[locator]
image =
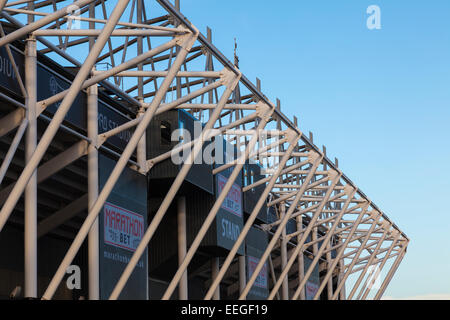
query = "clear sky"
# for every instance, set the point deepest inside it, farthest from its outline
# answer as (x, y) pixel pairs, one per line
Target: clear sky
(378, 99)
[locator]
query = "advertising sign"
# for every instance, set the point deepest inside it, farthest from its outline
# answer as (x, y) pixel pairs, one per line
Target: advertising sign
(256, 243)
(261, 280)
(122, 224)
(50, 83)
(233, 201)
(311, 289)
(229, 217)
(122, 228)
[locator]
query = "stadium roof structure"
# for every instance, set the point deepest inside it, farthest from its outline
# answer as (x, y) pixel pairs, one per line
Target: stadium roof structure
(149, 58)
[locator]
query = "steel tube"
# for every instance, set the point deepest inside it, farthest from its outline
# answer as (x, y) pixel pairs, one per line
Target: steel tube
(369, 282)
(242, 273)
(213, 212)
(292, 140)
(42, 22)
(391, 273)
(324, 245)
(30, 232)
(261, 97)
(12, 149)
(301, 257)
(173, 189)
(93, 186)
(361, 276)
(96, 32)
(109, 73)
(182, 247)
(308, 229)
(60, 113)
(336, 260)
(121, 163)
(284, 257)
(214, 272)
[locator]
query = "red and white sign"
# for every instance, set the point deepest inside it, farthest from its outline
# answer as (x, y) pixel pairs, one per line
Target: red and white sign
(122, 228)
(233, 201)
(261, 280)
(311, 290)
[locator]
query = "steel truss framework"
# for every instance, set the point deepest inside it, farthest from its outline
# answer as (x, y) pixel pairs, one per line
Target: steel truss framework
(160, 63)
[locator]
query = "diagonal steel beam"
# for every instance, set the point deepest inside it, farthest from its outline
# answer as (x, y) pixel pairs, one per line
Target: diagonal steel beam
(187, 42)
(22, 32)
(265, 117)
(372, 256)
(325, 243)
(335, 176)
(369, 282)
(293, 139)
(341, 253)
(391, 272)
(230, 81)
(315, 160)
(60, 113)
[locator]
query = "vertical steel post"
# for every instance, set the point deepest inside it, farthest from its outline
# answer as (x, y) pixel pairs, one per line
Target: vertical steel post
(293, 139)
(391, 273)
(284, 258)
(93, 186)
(335, 176)
(30, 232)
(332, 264)
(301, 257)
(230, 83)
(220, 199)
(141, 151)
(215, 267)
(64, 107)
(372, 256)
(182, 244)
(242, 273)
(378, 270)
(347, 273)
(329, 283)
(93, 182)
(325, 242)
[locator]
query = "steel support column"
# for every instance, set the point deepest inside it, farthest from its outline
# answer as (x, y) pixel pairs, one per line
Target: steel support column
(93, 186)
(335, 176)
(59, 115)
(292, 139)
(31, 187)
(391, 273)
(182, 245)
(230, 83)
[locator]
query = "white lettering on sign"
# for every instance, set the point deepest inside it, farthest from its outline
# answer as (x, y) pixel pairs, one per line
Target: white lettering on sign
(232, 202)
(123, 228)
(105, 124)
(311, 290)
(6, 67)
(230, 230)
(261, 280)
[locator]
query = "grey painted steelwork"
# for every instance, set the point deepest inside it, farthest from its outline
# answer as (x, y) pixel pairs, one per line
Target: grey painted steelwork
(78, 100)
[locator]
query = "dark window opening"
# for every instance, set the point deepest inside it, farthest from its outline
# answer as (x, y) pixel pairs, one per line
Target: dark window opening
(166, 133)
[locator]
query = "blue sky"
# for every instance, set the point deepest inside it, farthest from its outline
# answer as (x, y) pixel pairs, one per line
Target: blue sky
(378, 99)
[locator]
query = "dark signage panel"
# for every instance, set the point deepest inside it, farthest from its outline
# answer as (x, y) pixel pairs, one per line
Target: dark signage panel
(229, 218)
(50, 83)
(256, 244)
(122, 223)
(8, 79)
(312, 285)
